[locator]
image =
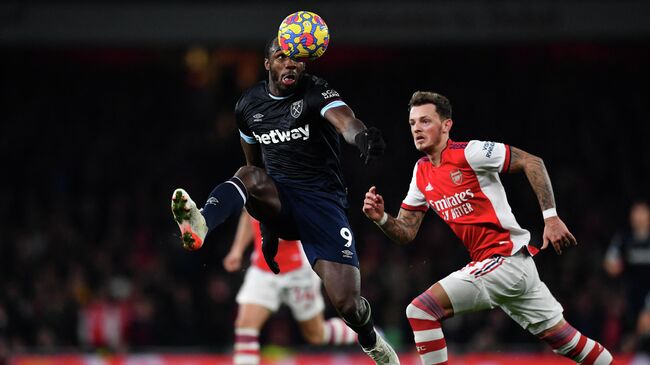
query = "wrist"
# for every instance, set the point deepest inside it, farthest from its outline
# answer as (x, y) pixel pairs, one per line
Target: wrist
(382, 220)
(549, 213)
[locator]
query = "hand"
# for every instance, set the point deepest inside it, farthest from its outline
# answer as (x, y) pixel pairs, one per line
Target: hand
(556, 232)
(373, 205)
(370, 143)
(232, 261)
(270, 243)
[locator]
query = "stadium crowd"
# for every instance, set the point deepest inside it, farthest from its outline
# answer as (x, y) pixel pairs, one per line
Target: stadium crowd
(95, 141)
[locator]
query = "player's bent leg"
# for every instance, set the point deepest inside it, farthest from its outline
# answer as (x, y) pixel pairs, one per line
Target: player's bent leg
(263, 198)
(249, 322)
(569, 342)
(190, 220)
(343, 285)
(424, 314)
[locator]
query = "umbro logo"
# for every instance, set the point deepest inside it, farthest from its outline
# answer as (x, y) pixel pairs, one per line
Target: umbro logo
(347, 254)
(212, 200)
(429, 187)
(258, 117)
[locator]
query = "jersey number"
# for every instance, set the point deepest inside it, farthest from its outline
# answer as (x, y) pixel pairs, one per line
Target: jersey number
(347, 235)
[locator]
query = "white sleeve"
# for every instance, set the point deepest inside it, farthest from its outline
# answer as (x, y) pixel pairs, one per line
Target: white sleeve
(415, 200)
(488, 156)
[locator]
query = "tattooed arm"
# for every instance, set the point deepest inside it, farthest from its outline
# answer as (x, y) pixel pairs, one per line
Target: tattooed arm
(555, 231)
(401, 229)
(536, 173)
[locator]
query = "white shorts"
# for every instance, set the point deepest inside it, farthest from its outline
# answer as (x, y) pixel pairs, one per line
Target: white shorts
(300, 290)
(511, 283)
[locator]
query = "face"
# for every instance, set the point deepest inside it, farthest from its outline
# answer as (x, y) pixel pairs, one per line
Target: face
(284, 73)
(428, 128)
(640, 217)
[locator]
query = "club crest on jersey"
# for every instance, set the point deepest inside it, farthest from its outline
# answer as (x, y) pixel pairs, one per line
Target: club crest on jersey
(456, 177)
(296, 109)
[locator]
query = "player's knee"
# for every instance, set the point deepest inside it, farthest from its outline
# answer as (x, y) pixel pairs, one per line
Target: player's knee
(415, 311)
(254, 178)
(347, 306)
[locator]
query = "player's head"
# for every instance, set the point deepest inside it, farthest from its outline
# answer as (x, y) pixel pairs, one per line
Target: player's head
(284, 73)
(430, 120)
(640, 217)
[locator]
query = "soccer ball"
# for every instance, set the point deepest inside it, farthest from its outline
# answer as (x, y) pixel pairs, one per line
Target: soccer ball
(303, 36)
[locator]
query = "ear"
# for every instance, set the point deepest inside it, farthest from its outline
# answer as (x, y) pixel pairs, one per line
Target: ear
(446, 125)
(267, 64)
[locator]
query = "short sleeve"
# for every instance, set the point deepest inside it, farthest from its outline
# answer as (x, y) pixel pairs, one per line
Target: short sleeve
(488, 156)
(321, 97)
(244, 131)
(415, 200)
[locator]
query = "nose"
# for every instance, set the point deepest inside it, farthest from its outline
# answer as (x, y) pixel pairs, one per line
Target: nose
(290, 64)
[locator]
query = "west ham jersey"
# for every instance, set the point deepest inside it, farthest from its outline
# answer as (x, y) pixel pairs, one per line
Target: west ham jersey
(300, 147)
(466, 192)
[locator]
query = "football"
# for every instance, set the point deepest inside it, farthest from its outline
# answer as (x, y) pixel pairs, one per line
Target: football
(303, 36)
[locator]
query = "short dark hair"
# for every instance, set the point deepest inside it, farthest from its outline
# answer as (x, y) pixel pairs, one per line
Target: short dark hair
(443, 106)
(268, 50)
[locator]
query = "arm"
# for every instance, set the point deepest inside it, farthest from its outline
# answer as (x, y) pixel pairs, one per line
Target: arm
(369, 141)
(253, 154)
(555, 231)
(402, 229)
(243, 238)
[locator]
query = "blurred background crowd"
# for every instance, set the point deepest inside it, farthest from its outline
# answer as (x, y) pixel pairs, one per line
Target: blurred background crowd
(95, 139)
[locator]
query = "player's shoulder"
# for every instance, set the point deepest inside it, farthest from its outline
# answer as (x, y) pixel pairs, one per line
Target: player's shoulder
(257, 91)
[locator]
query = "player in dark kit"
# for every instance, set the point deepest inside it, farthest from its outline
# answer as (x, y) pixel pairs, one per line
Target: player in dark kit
(290, 127)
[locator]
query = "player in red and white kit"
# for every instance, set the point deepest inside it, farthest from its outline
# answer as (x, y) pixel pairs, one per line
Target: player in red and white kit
(460, 182)
(263, 292)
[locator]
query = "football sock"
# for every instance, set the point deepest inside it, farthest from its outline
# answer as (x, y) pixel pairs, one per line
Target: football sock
(336, 332)
(568, 342)
(363, 325)
(226, 199)
(424, 315)
(247, 347)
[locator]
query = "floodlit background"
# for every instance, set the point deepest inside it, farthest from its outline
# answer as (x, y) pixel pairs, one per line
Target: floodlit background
(106, 107)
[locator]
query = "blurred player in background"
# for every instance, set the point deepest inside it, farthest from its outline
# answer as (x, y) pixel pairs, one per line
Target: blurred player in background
(290, 127)
(460, 181)
(263, 292)
(628, 258)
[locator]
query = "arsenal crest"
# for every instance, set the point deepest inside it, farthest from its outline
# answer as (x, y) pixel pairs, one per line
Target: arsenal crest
(296, 109)
(456, 177)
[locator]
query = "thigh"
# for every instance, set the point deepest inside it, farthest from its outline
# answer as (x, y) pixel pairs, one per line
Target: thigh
(263, 201)
(301, 292)
(252, 316)
(468, 289)
(261, 288)
(536, 309)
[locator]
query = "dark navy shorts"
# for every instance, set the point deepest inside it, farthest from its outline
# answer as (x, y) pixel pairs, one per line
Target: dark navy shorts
(320, 221)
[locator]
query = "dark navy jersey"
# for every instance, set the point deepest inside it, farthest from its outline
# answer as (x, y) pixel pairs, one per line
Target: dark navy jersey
(301, 149)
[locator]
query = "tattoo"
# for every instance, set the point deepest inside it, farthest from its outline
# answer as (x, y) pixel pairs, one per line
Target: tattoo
(537, 175)
(403, 228)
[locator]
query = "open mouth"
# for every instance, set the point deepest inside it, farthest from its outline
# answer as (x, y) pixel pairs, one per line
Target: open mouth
(419, 139)
(288, 79)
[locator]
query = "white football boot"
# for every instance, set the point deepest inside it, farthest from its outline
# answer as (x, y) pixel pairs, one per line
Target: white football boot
(382, 353)
(189, 219)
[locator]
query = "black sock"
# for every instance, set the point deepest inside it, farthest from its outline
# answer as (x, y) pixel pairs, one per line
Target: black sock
(225, 200)
(364, 326)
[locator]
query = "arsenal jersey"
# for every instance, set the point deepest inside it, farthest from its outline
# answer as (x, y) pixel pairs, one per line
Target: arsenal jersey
(466, 192)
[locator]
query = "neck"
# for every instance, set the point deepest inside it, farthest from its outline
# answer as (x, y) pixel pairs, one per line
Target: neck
(435, 156)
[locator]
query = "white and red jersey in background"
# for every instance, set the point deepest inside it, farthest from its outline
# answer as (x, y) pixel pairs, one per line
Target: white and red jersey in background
(466, 192)
(289, 257)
